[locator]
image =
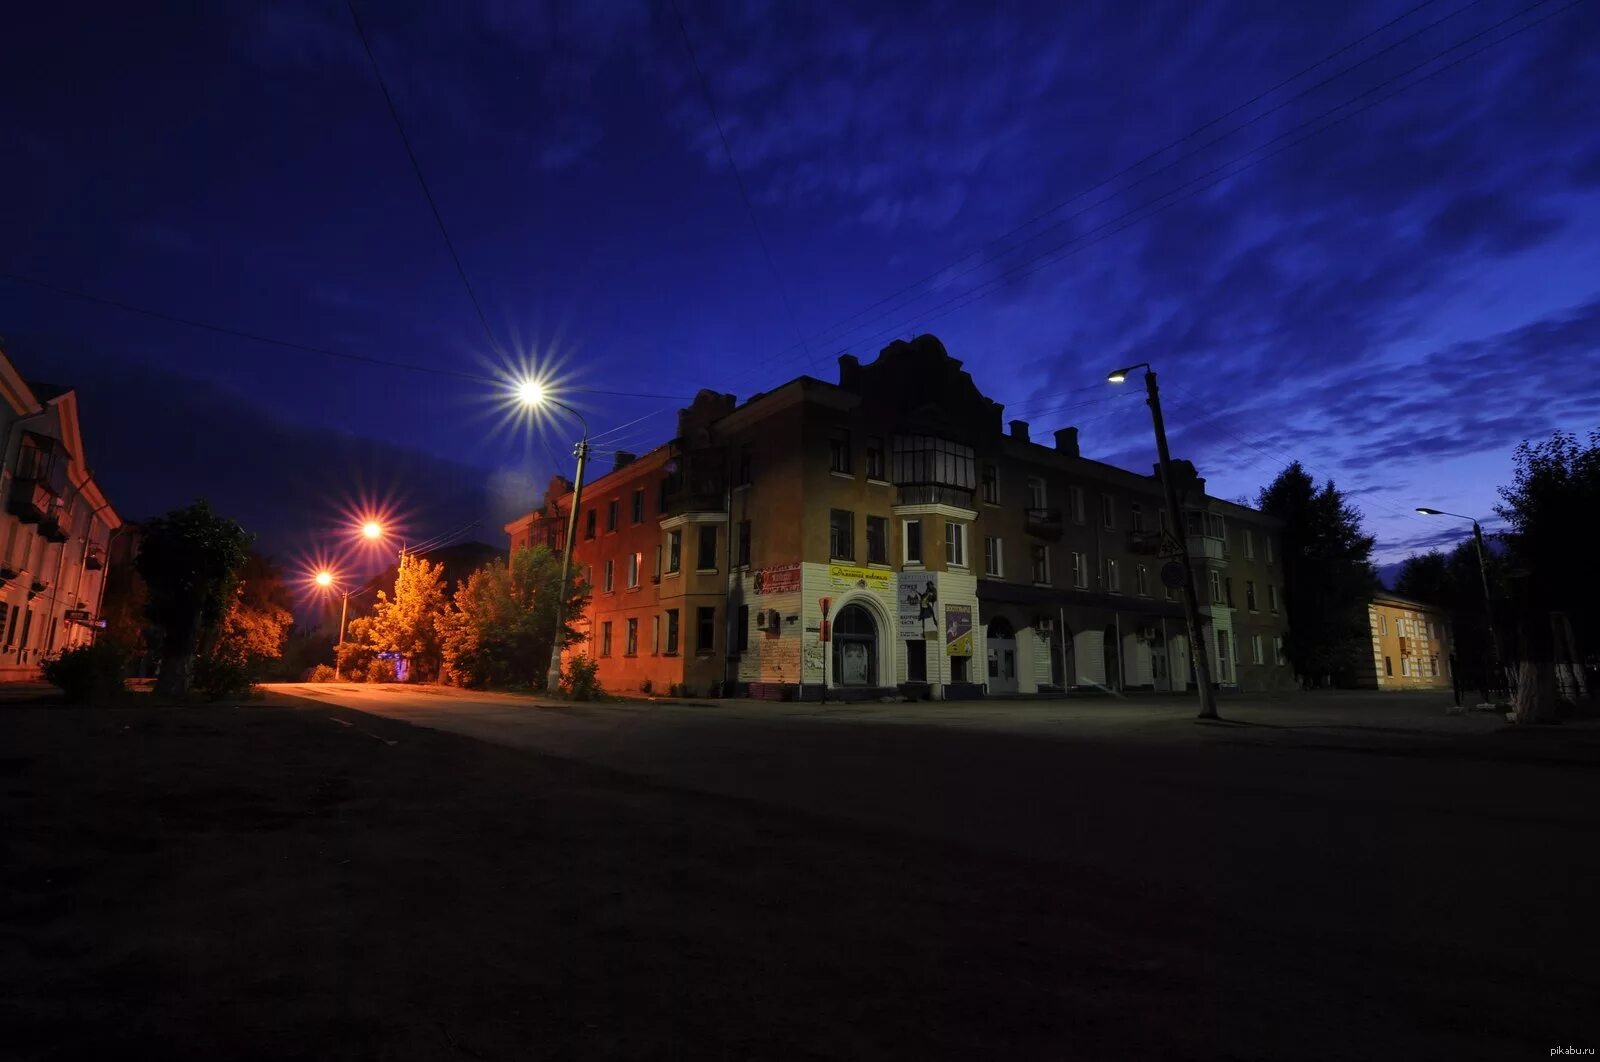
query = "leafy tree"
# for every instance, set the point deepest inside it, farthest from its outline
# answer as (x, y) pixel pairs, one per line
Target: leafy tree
(499, 628)
(406, 623)
(252, 634)
(1328, 576)
(188, 560)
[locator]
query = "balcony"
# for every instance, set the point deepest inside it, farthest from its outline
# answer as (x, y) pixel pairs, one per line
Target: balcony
(1204, 547)
(94, 558)
(53, 527)
(933, 494)
(1043, 523)
(31, 500)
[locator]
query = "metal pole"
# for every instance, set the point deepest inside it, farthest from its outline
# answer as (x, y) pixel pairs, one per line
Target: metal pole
(1488, 603)
(553, 678)
(338, 649)
(1066, 679)
(1191, 610)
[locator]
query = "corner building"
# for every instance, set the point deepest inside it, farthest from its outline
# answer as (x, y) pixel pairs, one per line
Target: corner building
(886, 534)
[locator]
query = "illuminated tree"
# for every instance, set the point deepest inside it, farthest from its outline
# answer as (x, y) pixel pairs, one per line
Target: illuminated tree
(502, 618)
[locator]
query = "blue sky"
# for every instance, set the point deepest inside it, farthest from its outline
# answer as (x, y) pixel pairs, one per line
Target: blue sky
(1392, 276)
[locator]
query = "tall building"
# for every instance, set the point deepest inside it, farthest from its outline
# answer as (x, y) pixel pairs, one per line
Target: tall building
(885, 533)
(56, 531)
(1411, 645)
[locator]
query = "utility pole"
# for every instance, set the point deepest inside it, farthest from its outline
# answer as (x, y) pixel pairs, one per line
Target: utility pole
(1191, 607)
(553, 678)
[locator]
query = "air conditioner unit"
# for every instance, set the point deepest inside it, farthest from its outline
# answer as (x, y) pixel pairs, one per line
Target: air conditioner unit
(1044, 624)
(1147, 634)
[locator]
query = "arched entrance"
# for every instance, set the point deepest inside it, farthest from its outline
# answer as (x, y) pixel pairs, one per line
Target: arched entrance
(1002, 642)
(855, 647)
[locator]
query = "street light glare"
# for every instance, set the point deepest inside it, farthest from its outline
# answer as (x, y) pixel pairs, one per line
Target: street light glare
(372, 529)
(530, 392)
(1117, 377)
(324, 578)
(1425, 511)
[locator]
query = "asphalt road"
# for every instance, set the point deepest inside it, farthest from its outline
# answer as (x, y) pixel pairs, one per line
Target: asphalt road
(1361, 868)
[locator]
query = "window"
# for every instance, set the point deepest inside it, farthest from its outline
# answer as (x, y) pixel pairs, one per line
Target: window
(1075, 503)
(742, 471)
(1080, 571)
(655, 635)
(841, 534)
(1256, 656)
(588, 524)
(632, 645)
(672, 632)
(1039, 564)
(1269, 549)
(990, 478)
(955, 544)
(1405, 666)
(1250, 596)
(1433, 667)
(607, 570)
(1431, 635)
(674, 550)
(992, 559)
(924, 460)
(1250, 548)
(635, 562)
(1036, 493)
(605, 638)
(913, 530)
(1272, 598)
(1400, 628)
(705, 635)
(655, 575)
(839, 451)
(874, 458)
(1108, 511)
(611, 515)
(1388, 666)
(706, 558)
(1141, 580)
(878, 540)
(1113, 576)
(1216, 587)
(1277, 648)
(1136, 517)
(1383, 624)
(742, 558)
(638, 505)
(916, 660)
(741, 636)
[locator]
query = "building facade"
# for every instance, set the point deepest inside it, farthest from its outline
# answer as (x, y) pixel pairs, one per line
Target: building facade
(1411, 646)
(56, 531)
(886, 533)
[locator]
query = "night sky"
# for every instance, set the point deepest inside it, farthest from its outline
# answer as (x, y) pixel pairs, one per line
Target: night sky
(1397, 298)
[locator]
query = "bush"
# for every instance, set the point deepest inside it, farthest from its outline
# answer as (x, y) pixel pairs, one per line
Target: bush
(647, 686)
(89, 673)
(219, 677)
(678, 689)
(580, 679)
(321, 673)
(381, 670)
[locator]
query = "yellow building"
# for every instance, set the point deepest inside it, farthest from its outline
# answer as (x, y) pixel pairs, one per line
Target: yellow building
(1411, 645)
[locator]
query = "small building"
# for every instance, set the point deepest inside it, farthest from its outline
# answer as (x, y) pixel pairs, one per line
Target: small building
(887, 534)
(55, 534)
(1411, 645)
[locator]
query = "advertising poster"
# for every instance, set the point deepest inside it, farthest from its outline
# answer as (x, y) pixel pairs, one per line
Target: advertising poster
(918, 594)
(778, 579)
(849, 577)
(958, 630)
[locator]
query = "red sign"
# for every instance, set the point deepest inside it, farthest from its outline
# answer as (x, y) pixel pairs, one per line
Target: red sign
(778, 579)
(825, 602)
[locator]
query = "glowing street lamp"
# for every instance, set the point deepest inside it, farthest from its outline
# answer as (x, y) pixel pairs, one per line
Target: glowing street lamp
(372, 530)
(1191, 609)
(1483, 574)
(325, 579)
(534, 395)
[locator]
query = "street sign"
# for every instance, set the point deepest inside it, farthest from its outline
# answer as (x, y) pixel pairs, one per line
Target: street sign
(1170, 546)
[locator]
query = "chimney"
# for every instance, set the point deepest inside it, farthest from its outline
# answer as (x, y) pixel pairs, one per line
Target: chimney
(849, 371)
(1067, 441)
(621, 459)
(1019, 430)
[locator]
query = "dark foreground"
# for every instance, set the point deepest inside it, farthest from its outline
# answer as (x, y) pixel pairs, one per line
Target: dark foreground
(296, 881)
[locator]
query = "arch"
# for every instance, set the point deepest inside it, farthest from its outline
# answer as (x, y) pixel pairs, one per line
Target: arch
(1000, 627)
(858, 643)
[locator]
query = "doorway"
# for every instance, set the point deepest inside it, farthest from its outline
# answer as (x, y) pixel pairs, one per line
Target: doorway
(1002, 642)
(855, 647)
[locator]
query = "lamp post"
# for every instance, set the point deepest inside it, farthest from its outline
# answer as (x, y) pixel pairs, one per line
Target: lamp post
(1191, 608)
(533, 395)
(325, 580)
(1483, 574)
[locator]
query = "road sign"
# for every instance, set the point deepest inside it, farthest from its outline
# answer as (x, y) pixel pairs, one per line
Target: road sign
(1170, 546)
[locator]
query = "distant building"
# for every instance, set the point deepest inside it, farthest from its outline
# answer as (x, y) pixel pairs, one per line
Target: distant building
(56, 532)
(941, 554)
(1411, 645)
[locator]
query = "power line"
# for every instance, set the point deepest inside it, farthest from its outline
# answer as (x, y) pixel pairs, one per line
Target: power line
(1149, 157)
(1052, 255)
(738, 177)
(416, 168)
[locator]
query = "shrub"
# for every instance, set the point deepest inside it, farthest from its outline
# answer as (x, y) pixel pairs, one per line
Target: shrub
(321, 673)
(89, 673)
(678, 689)
(381, 670)
(220, 676)
(580, 679)
(647, 686)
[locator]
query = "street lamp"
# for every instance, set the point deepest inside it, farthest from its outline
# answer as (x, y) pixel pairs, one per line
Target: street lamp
(325, 579)
(1483, 574)
(1191, 609)
(372, 530)
(534, 395)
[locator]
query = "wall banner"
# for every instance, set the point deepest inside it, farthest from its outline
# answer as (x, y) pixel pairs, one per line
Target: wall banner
(958, 630)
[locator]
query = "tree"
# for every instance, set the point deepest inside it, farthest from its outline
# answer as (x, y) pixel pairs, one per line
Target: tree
(502, 619)
(188, 560)
(253, 632)
(1328, 577)
(408, 622)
